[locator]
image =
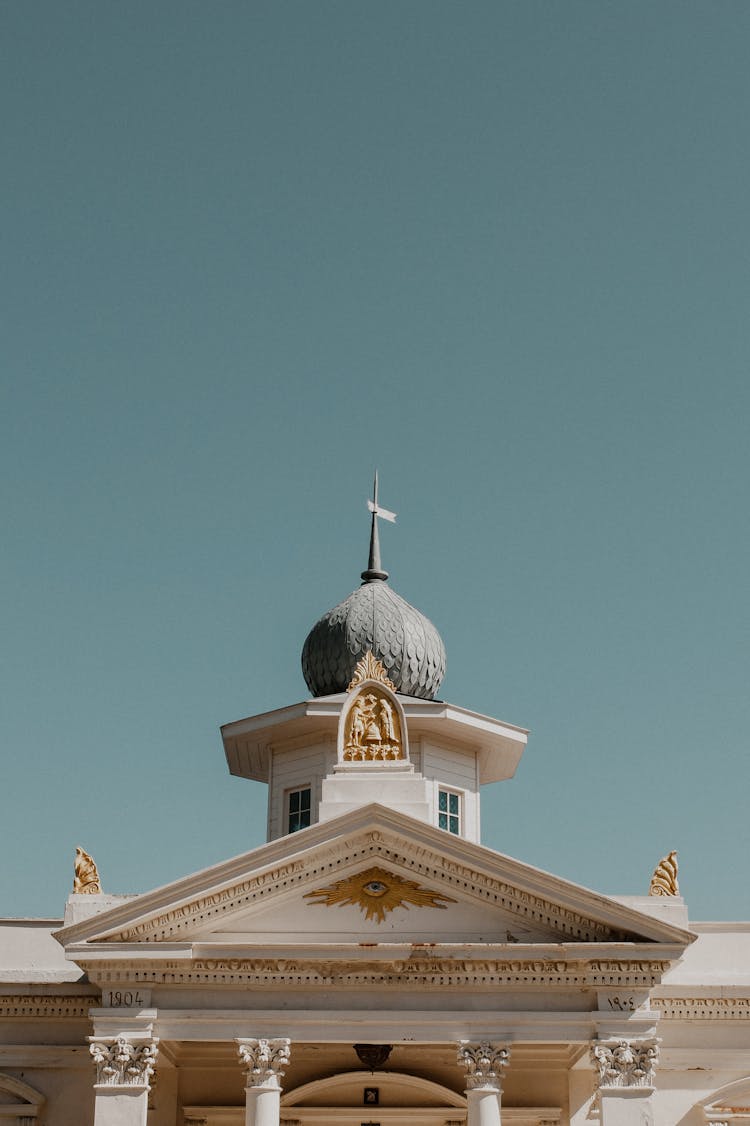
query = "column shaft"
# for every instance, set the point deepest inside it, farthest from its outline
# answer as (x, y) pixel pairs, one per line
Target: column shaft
(626, 1108)
(120, 1108)
(484, 1107)
(262, 1106)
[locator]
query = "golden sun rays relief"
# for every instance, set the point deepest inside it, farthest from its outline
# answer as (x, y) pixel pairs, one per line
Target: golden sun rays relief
(376, 892)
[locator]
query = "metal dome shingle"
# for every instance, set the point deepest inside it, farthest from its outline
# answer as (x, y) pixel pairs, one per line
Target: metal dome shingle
(374, 617)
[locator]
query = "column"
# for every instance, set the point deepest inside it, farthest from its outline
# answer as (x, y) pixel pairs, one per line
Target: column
(485, 1065)
(265, 1061)
(124, 1066)
(625, 1080)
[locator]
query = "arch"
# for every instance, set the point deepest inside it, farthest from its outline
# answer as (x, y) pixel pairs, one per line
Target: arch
(11, 1086)
(425, 1092)
(734, 1095)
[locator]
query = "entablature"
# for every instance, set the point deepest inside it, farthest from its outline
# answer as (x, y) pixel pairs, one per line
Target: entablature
(608, 978)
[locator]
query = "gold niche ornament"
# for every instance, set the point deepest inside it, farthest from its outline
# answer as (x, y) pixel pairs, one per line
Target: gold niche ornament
(376, 892)
(664, 879)
(85, 875)
(372, 731)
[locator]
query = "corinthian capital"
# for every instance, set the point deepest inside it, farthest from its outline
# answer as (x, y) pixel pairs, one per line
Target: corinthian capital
(485, 1063)
(121, 1062)
(265, 1060)
(625, 1063)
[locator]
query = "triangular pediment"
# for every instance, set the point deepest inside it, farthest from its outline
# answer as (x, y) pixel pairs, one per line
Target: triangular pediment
(370, 876)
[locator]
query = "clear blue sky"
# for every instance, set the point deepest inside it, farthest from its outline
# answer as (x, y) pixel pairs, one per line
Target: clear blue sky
(252, 250)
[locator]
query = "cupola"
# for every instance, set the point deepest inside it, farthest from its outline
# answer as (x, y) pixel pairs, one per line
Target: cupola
(373, 731)
(374, 619)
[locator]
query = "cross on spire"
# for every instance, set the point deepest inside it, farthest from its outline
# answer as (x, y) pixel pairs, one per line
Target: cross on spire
(374, 567)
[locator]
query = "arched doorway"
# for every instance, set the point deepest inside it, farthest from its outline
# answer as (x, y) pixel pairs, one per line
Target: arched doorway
(373, 1098)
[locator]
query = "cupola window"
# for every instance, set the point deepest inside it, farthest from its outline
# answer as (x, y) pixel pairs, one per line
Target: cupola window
(449, 811)
(299, 809)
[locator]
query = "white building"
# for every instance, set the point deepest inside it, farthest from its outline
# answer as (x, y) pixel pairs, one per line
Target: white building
(373, 964)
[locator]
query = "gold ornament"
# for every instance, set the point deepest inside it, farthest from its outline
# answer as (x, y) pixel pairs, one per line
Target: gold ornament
(664, 879)
(85, 875)
(370, 668)
(372, 731)
(376, 892)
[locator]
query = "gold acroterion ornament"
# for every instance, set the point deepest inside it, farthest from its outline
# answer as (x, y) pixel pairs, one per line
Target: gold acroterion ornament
(86, 876)
(664, 879)
(376, 892)
(370, 668)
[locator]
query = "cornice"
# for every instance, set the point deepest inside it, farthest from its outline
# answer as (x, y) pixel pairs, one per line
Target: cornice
(311, 857)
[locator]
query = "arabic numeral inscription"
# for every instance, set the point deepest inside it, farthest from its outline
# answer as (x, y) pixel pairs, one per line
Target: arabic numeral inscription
(125, 998)
(622, 1004)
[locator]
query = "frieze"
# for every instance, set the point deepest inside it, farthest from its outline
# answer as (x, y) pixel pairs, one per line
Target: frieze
(613, 973)
(705, 1008)
(401, 973)
(533, 908)
(46, 1005)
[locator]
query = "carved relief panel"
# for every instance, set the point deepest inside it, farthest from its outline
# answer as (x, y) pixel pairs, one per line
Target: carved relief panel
(372, 726)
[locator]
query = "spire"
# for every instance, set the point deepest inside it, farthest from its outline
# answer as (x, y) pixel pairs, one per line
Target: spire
(374, 567)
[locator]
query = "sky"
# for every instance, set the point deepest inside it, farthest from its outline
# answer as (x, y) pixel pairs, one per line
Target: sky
(498, 250)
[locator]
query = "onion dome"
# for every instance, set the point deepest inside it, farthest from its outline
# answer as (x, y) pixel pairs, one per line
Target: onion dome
(374, 617)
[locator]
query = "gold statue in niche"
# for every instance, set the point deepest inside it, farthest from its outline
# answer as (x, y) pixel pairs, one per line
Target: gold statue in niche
(373, 730)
